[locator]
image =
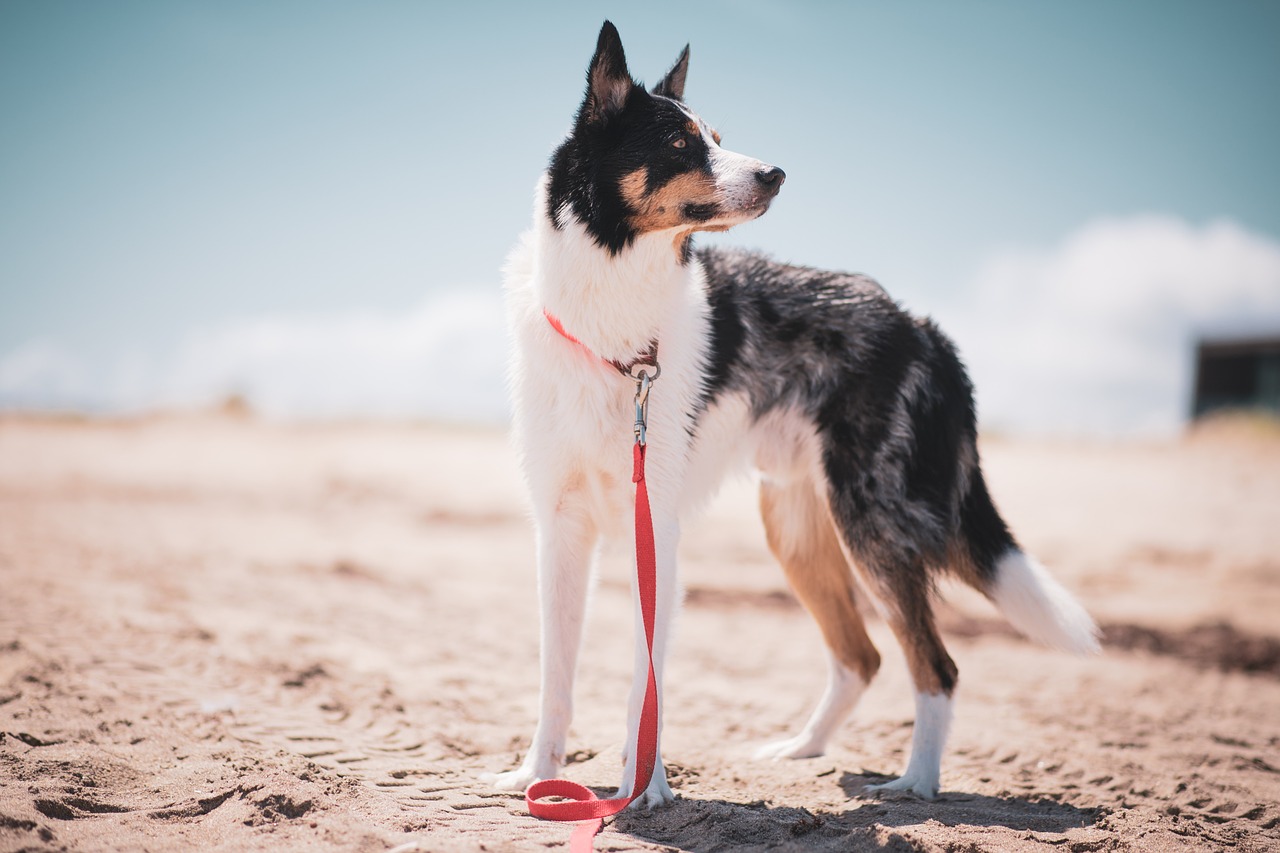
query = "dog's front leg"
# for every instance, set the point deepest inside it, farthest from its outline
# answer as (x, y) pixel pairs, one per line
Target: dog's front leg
(666, 599)
(566, 543)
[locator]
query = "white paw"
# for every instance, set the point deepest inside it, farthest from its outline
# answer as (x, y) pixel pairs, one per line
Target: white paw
(515, 780)
(799, 746)
(921, 785)
(658, 793)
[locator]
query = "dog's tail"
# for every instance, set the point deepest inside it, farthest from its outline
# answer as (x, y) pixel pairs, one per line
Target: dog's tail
(1041, 608)
(1026, 594)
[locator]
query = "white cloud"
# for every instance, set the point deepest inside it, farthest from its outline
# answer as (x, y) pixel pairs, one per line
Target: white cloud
(443, 359)
(40, 373)
(1097, 335)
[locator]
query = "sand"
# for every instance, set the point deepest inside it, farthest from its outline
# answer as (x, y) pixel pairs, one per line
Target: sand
(222, 634)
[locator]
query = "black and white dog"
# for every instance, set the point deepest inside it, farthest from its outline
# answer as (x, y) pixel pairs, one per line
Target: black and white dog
(858, 417)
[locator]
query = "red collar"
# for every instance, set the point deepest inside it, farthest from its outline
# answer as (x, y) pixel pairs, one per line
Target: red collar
(648, 359)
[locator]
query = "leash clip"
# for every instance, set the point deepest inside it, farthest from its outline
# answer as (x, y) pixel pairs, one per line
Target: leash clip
(643, 381)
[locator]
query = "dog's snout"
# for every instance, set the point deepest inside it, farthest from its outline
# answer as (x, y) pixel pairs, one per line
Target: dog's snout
(771, 178)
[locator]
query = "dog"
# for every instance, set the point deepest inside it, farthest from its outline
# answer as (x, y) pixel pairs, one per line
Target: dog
(858, 417)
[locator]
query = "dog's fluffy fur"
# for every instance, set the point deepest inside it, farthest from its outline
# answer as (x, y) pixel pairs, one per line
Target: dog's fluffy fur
(858, 417)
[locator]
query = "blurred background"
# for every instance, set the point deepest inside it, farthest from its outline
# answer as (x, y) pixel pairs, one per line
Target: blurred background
(306, 205)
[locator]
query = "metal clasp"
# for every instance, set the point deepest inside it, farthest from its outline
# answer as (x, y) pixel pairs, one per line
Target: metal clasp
(643, 381)
(643, 365)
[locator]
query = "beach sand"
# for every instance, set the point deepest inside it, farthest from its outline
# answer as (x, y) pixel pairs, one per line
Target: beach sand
(223, 634)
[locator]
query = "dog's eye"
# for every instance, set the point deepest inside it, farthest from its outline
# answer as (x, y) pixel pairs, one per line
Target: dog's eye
(681, 142)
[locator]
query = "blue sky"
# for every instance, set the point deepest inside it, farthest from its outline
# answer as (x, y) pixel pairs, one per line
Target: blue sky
(175, 173)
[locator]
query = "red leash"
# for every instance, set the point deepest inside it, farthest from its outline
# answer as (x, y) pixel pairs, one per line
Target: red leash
(580, 803)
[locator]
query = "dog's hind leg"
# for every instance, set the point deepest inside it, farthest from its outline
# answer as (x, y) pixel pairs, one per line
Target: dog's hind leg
(934, 675)
(897, 573)
(566, 543)
(801, 535)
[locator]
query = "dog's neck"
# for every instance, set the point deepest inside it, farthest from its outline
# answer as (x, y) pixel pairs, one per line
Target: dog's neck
(613, 303)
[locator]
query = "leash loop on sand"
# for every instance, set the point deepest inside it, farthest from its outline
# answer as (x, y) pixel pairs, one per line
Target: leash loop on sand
(578, 802)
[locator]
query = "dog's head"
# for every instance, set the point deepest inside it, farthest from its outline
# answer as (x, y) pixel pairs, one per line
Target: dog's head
(641, 162)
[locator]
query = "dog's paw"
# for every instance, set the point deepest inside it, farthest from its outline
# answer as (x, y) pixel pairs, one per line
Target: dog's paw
(658, 793)
(925, 787)
(799, 746)
(514, 780)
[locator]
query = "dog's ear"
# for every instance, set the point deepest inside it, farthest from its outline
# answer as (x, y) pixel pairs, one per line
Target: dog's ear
(608, 81)
(672, 86)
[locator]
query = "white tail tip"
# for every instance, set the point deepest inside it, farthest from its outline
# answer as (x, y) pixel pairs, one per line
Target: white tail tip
(1040, 607)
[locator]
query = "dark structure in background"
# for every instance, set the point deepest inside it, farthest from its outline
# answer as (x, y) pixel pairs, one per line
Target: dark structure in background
(1237, 374)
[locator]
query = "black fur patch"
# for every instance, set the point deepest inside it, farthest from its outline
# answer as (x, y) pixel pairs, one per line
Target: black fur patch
(985, 533)
(700, 212)
(942, 417)
(727, 335)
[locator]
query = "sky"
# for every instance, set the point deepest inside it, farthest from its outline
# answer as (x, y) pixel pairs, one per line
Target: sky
(309, 203)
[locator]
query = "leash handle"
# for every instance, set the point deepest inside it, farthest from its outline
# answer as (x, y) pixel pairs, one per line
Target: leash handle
(580, 803)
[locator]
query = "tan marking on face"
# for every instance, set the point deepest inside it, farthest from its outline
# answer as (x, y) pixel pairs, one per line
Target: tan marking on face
(663, 208)
(692, 127)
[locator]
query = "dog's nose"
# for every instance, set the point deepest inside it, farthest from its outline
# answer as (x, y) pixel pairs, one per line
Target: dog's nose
(771, 178)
